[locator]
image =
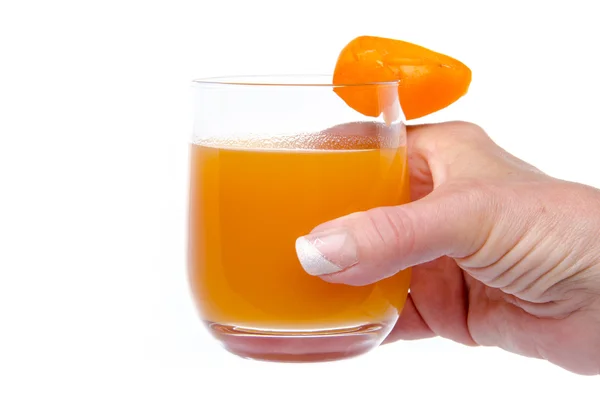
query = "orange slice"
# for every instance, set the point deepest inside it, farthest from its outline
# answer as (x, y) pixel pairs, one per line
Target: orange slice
(428, 81)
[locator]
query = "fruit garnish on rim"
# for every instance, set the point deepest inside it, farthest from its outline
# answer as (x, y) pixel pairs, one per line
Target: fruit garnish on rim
(428, 81)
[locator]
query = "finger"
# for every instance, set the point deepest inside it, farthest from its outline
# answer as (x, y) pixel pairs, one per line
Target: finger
(461, 149)
(365, 247)
(421, 182)
(410, 325)
(440, 295)
(437, 305)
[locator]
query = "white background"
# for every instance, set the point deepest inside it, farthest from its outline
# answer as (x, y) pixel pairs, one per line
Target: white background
(95, 114)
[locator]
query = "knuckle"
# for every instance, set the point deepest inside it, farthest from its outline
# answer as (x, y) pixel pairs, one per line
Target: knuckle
(482, 209)
(478, 195)
(465, 130)
(392, 228)
(462, 147)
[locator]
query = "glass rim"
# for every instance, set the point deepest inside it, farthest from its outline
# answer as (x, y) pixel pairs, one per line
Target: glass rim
(283, 80)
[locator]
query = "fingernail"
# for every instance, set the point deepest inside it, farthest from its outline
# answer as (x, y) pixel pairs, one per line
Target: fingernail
(326, 252)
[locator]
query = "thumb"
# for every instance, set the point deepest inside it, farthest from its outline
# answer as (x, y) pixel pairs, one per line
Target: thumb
(365, 247)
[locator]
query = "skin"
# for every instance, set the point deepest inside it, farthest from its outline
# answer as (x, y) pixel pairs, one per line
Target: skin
(502, 254)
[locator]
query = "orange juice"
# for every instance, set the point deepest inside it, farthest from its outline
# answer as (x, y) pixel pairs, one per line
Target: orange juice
(249, 201)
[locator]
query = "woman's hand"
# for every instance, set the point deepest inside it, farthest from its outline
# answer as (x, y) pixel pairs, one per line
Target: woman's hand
(502, 254)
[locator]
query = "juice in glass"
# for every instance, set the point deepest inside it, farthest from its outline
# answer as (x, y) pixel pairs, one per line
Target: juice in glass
(249, 201)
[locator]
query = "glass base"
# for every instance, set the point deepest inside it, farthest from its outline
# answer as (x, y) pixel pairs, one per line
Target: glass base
(299, 346)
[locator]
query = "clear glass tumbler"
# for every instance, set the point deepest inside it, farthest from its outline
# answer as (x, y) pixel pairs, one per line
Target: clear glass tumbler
(271, 158)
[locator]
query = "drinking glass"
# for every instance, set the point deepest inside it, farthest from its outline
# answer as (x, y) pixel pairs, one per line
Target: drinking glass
(272, 157)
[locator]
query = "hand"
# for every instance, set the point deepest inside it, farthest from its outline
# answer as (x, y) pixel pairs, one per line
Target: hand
(503, 254)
